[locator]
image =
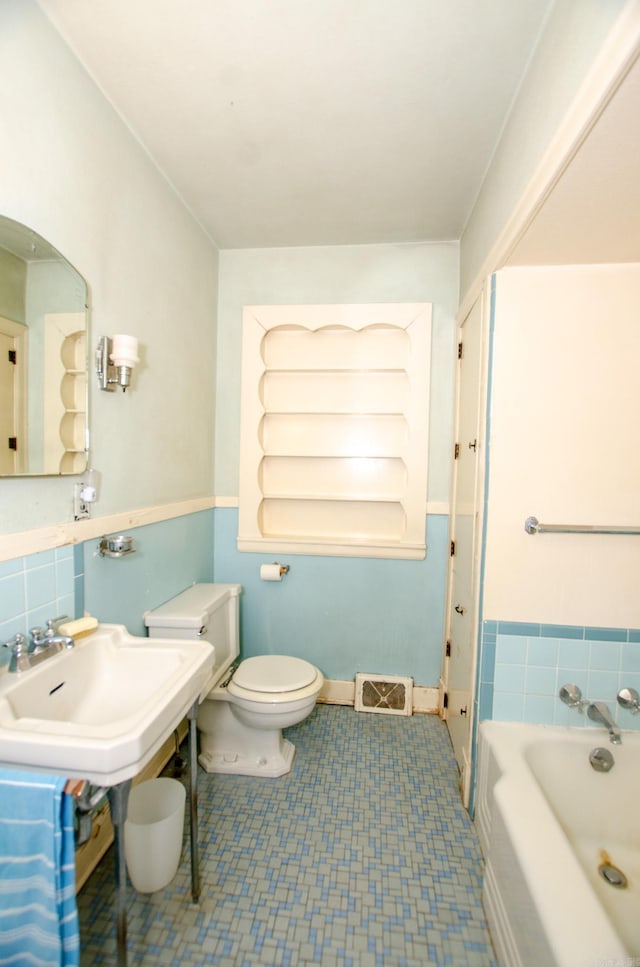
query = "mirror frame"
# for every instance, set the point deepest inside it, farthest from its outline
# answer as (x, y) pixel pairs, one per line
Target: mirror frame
(44, 315)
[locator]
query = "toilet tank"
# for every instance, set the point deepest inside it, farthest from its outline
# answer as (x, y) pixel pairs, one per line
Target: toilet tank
(209, 611)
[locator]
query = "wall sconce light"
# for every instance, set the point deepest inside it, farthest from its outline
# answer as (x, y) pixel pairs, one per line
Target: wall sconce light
(115, 358)
(85, 493)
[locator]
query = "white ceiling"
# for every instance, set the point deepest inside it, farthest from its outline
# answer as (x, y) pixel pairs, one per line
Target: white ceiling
(307, 122)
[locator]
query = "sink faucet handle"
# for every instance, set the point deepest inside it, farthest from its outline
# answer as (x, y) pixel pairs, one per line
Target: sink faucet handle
(16, 644)
(53, 623)
(629, 698)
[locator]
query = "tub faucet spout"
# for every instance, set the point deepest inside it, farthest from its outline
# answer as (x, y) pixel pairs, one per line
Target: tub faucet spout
(599, 712)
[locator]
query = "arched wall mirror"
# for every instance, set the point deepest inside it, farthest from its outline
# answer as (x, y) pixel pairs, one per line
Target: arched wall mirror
(43, 357)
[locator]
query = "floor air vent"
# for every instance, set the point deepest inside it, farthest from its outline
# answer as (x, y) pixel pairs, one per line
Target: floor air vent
(390, 694)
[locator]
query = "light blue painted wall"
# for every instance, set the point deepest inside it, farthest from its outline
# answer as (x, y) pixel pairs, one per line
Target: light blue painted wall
(343, 614)
(170, 555)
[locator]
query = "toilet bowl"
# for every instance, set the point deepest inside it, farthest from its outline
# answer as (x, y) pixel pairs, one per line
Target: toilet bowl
(241, 723)
(242, 716)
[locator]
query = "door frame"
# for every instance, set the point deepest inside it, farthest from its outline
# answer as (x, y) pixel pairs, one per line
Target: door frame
(19, 334)
(484, 299)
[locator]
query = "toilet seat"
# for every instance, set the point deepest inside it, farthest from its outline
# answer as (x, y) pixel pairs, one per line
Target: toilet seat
(274, 673)
(274, 680)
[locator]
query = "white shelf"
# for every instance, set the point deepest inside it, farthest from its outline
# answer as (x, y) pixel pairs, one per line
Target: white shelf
(334, 426)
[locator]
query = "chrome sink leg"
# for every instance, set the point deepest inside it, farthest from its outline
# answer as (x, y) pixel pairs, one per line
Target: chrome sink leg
(193, 795)
(118, 803)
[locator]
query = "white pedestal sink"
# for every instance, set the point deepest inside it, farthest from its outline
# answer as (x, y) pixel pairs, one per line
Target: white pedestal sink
(100, 710)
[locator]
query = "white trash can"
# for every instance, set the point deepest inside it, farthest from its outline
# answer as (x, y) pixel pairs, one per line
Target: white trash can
(153, 833)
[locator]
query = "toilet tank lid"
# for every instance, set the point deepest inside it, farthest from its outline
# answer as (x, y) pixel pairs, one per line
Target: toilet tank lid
(191, 608)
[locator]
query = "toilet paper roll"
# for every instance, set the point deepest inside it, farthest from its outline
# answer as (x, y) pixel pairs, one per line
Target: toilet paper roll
(270, 572)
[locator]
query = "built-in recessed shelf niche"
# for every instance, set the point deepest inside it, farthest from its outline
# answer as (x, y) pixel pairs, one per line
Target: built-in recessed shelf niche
(334, 429)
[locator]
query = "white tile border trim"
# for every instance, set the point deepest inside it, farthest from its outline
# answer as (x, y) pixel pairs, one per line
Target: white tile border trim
(76, 531)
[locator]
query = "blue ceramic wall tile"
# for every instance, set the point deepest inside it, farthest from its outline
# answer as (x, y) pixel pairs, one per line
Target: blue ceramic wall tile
(519, 628)
(509, 678)
(572, 676)
(543, 651)
(540, 681)
(488, 660)
(605, 655)
(562, 631)
(508, 707)
(573, 654)
(602, 686)
(485, 705)
(538, 708)
(630, 657)
(533, 661)
(41, 586)
(511, 650)
(11, 567)
(35, 588)
(64, 574)
(606, 634)
(12, 597)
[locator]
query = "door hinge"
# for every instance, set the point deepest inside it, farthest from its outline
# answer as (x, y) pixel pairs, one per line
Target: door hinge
(445, 700)
(13, 443)
(459, 350)
(452, 548)
(456, 451)
(13, 356)
(447, 650)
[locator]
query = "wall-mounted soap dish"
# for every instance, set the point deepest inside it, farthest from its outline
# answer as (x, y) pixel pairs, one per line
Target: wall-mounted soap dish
(118, 546)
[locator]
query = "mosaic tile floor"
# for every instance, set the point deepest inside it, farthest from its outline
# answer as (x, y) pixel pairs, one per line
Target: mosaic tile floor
(363, 855)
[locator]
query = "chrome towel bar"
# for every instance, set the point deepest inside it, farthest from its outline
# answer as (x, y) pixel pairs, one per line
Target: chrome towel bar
(533, 526)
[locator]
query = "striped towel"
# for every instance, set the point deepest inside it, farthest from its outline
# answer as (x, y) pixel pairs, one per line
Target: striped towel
(38, 912)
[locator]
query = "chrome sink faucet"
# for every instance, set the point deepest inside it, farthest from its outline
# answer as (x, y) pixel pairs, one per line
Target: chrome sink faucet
(599, 712)
(41, 646)
(41, 642)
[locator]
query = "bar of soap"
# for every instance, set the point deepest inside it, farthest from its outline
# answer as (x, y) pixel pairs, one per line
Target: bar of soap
(82, 626)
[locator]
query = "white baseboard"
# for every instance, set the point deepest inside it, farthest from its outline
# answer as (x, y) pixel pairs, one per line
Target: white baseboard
(335, 692)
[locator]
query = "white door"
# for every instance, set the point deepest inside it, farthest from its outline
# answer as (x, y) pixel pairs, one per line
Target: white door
(460, 662)
(7, 406)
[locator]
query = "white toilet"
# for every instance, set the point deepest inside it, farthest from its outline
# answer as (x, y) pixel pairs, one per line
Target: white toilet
(243, 714)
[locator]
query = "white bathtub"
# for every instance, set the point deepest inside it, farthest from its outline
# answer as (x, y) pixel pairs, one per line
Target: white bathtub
(546, 821)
